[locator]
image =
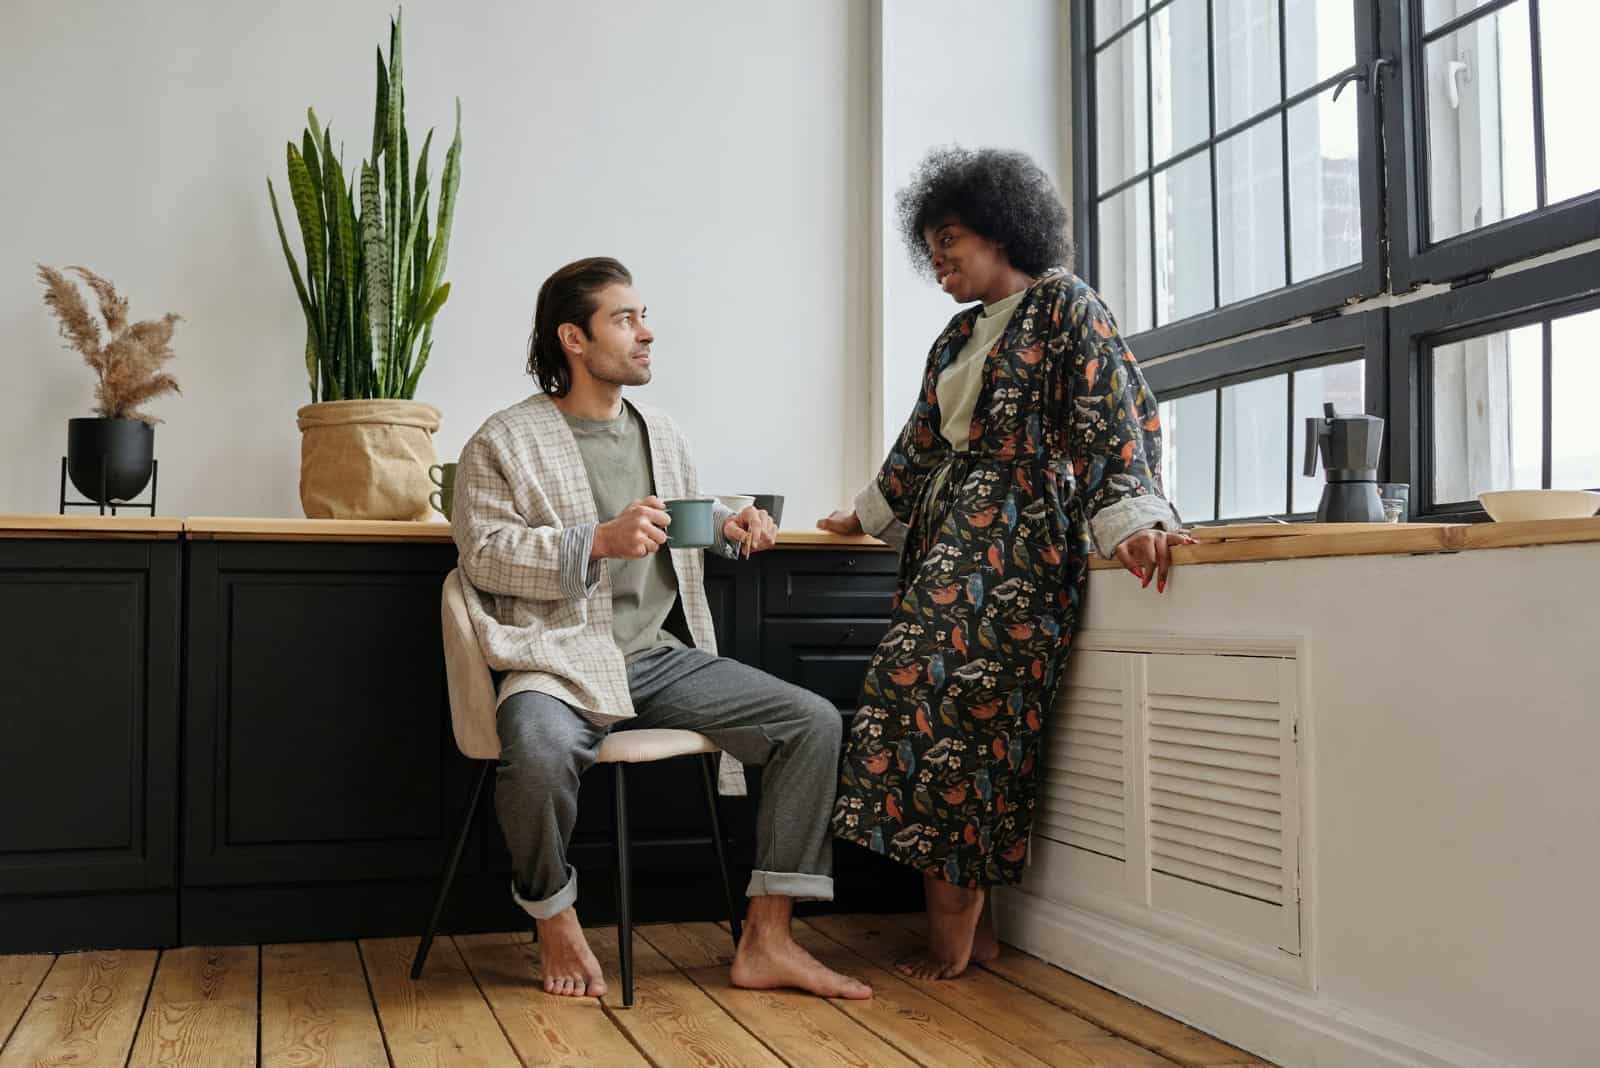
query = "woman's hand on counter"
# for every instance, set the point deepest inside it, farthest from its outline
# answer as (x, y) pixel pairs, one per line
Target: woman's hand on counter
(1148, 554)
(844, 521)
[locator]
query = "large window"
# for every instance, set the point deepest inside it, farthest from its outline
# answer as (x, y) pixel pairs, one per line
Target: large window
(1227, 163)
(1247, 164)
(1235, 443)
(1506, 387)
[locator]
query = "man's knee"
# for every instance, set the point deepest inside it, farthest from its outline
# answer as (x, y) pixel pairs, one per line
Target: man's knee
(541, 740)
(821, 724)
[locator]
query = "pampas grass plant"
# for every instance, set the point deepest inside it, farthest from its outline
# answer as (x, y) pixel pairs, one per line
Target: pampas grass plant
(127, 359)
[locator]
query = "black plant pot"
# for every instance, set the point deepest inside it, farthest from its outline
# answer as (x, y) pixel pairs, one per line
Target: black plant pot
(110, 459)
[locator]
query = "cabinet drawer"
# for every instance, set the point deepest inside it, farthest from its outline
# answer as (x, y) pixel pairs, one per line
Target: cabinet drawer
(826, 656)
(830, 583)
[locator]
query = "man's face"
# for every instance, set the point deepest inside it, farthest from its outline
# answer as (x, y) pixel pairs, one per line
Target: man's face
(617, 349)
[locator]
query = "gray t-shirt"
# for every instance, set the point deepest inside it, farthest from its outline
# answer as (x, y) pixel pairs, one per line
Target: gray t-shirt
(644, 593)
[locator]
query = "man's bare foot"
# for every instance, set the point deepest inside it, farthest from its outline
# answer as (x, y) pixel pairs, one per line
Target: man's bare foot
(768, 957)
(953, 913)
(565, 960)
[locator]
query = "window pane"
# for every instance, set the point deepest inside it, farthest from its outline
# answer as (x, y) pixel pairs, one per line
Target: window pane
(1247, 59)
(1321, 40)
(1182, 111)
(1488, 414)
(1575, 400)
(1480, 123)
(1568, 31)
(1255, 447)
(1345, 385)
(1122, 119)
(1250, 211)
(1438, 12)
(1183, 240)
(1124, 254)
(1112, 15)
(1189, 455)
(1324, 186)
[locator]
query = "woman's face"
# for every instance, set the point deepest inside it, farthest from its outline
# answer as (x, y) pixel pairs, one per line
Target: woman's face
(965, 263)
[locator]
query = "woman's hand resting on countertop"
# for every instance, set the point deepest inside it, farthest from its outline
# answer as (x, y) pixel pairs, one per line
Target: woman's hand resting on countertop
(1148, 554)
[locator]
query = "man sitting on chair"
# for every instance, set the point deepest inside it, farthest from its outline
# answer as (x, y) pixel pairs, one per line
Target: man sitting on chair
(558, 519)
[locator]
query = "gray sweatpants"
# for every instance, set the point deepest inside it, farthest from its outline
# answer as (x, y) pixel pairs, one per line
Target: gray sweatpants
(793, 734)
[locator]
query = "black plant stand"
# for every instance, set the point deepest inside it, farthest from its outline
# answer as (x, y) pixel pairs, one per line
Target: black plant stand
(103, 503)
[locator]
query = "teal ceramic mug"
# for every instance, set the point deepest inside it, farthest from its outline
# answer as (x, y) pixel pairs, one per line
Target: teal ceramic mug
(443, 476)
(691, 523)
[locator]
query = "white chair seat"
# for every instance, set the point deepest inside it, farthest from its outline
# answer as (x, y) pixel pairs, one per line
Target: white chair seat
(651, 743)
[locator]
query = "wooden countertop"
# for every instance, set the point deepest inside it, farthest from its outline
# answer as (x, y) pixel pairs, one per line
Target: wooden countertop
(244, 528)
(249, 528)
(1301, 541)
(1218, 545)
(122, 527)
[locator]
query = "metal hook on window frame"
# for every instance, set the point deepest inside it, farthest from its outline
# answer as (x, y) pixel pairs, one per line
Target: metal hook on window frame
(1368, 77)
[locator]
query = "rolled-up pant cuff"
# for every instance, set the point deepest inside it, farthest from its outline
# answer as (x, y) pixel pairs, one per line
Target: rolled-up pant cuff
(559, 901)
(798, 885)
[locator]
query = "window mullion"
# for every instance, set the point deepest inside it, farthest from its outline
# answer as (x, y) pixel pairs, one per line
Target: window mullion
(1541, 190)
(1547, 444)
(1211, 151)
(1283, 138)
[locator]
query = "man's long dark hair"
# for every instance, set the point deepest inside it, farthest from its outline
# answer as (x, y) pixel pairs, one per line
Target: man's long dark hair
(568, 296)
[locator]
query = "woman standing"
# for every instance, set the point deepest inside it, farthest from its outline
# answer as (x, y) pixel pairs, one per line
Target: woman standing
(1034, 441)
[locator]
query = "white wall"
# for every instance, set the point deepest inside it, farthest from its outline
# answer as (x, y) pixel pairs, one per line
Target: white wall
(987, 76)
(720, 148)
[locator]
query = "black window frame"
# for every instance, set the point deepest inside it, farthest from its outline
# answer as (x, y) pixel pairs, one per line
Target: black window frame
(1329, 340)
(1552, 290)
(1413, 259)
(1290, 302)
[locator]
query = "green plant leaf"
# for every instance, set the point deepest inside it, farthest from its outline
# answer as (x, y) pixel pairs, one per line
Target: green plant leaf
(410, 391)
(435, 302)
(376, 264)
(288, 254)
(449, 182)
(310, 213)
(380, 118)
(394, 177)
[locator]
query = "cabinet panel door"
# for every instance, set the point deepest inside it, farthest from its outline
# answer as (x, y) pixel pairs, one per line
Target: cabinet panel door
(318, 723)
(733, 591)
(88, 682)
(826, 656)
(827, 583)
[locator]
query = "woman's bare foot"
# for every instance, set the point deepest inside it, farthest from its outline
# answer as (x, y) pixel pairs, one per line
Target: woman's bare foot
(768, 957)
(565, 960)
(953, 913)
(985, 946)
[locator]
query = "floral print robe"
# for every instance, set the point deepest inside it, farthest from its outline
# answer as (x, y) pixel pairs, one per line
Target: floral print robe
(938, 771)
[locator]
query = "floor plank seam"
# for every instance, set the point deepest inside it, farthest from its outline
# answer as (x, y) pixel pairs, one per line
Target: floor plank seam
(372, 998)
(144, 1007)
(1099, 1021)
(929, 993)
(611, 1014)
(28, 1003)
(717, 1005)
(466, 962)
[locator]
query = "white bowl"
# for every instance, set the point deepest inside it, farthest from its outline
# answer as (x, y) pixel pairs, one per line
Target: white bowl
(1511, 506)
(736, 502)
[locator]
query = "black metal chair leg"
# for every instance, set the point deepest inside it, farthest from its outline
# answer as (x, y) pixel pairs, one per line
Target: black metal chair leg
(619, 801)
(450, 869)
(708, 768)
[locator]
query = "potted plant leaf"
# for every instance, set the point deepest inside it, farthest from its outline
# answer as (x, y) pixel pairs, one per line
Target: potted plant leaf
(372, 283)
(111, 455)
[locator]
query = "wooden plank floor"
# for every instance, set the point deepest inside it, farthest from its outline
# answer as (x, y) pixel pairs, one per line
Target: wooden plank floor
(353, 1005)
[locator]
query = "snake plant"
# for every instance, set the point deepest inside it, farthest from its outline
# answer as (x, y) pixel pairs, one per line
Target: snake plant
(374, 275)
